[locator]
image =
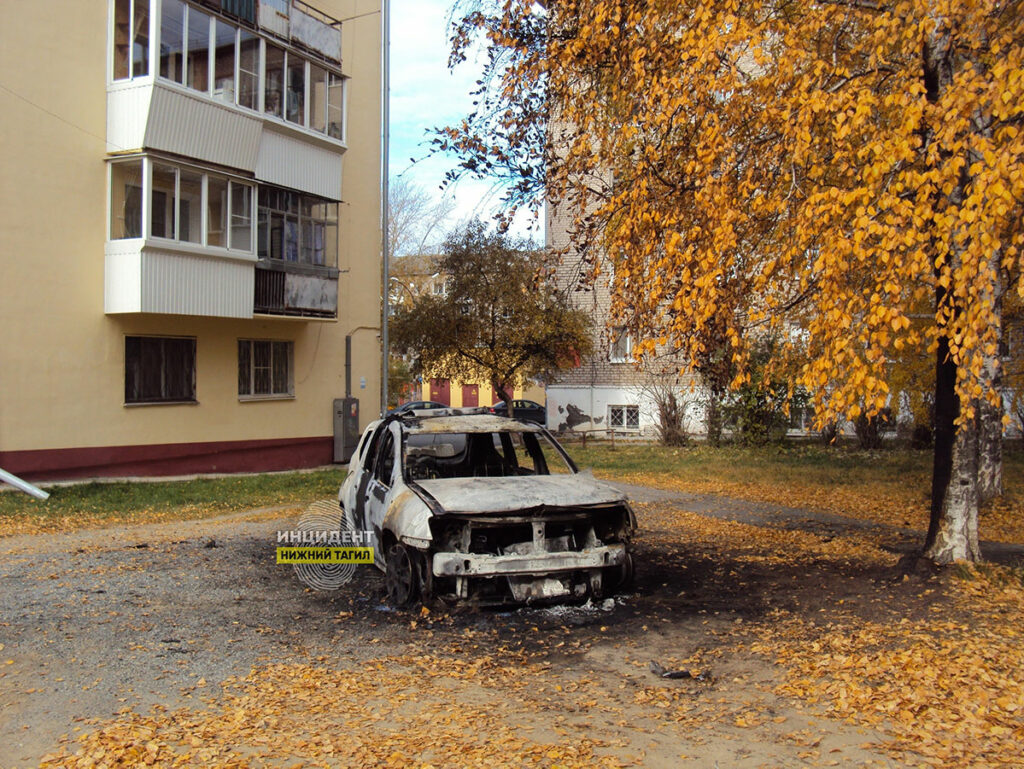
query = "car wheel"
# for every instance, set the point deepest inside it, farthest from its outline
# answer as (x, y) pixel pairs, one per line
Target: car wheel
(401, 578)
(626, 574)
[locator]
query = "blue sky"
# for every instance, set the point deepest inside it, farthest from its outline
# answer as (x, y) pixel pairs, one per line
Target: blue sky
(424, 94)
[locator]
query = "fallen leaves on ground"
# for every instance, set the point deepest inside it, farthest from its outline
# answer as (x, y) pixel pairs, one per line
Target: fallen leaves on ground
(413, 710)
(746, 542)
(942, 687)
(892, 504)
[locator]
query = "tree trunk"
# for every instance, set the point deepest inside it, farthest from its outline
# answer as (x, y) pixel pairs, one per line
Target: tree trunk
(956, 538)
(947, 408)
(990, 417)
(990, 451)
(953, 528)
(503, 395)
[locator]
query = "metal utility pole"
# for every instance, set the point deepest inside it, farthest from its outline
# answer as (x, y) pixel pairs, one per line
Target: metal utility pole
(384, 219)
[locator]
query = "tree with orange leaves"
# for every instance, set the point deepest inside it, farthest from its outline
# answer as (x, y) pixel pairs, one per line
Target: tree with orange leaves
(823, 171)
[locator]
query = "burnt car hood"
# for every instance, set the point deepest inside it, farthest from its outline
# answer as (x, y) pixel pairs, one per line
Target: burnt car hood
(503, 495)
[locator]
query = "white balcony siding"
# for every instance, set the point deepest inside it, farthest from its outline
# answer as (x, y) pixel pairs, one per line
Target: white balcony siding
(290, 161)
(196, 127)
(158, 116)
(127, 115)
(145, 279)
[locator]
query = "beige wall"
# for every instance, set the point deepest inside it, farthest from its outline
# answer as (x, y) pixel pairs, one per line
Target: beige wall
(61, 357)
(531, 392)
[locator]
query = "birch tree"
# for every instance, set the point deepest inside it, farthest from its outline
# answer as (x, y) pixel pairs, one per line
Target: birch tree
(819, 171)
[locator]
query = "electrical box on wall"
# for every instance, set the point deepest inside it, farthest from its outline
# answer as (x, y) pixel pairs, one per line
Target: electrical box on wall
(346, 428)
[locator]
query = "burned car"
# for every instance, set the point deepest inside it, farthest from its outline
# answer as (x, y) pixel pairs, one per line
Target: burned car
(484, 508)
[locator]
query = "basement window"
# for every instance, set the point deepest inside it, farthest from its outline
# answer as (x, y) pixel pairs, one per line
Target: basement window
(624, 417)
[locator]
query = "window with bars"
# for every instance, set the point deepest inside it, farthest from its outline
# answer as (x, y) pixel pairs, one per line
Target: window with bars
(624, 417)
(264, 368)
(159, 369)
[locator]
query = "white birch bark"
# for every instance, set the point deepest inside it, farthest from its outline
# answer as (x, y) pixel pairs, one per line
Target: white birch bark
(957, 538)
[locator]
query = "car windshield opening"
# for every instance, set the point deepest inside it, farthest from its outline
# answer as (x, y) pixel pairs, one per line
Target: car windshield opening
(430, 456)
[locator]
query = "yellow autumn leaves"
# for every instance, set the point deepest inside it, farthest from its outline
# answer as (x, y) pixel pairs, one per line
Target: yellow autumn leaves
(793, 169)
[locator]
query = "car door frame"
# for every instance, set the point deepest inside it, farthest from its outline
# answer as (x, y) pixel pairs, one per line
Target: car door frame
(378, 494)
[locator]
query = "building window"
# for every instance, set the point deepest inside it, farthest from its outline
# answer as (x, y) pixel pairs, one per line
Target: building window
(264, 368)
(621, 350)
(241, 217)
(248, 70)
(126, 200)
(317, 98)
(295, 227)
(162, 217)
(190, 206)
(224, 62)
(273, 81)
(172, 40)
(131, 39)
(216, 210)
(624, 417)
(296, 112)
(159, 369)
(335, 100)
(197, 57)
(176, 205)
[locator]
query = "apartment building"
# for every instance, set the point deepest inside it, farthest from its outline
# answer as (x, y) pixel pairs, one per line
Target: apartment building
(191, 236)
(607, 392)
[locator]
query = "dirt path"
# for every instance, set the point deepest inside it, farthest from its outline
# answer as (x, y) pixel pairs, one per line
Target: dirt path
(99, 621)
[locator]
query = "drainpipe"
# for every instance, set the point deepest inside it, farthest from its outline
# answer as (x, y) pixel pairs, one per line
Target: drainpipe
(348, 365)
(384, 223)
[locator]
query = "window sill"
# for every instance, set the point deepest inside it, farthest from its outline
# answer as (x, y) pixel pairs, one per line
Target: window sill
(137, 404)
(259, 398)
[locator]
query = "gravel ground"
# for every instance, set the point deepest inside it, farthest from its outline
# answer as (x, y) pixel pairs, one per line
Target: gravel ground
(100, 620)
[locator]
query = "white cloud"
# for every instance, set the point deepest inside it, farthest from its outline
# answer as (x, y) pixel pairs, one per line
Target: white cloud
(426, 94)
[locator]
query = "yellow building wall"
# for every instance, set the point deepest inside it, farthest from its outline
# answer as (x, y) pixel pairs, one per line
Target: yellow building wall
(61, 357)
(531, 392)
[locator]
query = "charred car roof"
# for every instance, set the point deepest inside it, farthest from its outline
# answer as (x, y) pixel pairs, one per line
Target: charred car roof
(448, 422)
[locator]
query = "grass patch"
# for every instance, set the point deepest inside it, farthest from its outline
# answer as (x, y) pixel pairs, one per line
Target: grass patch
(775, 464)
(890, 486)
(97, 504)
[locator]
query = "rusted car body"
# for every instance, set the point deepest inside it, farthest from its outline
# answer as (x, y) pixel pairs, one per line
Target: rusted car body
(484, 508)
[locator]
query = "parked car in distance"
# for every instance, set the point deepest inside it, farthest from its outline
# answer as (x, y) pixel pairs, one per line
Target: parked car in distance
(523, 409)
(482, 508)
(417, 406)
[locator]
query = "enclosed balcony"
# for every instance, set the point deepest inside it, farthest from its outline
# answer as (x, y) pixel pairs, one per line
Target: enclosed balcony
(190, 240)
(255, 87)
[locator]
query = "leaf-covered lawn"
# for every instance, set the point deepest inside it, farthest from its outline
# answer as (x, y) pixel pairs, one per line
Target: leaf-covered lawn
(890, 487)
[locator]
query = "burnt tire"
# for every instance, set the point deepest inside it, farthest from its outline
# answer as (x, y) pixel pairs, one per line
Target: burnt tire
(625, 575)
(402, 575)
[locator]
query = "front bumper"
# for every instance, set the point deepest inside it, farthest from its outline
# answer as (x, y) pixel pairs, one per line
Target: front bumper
(527, 564)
